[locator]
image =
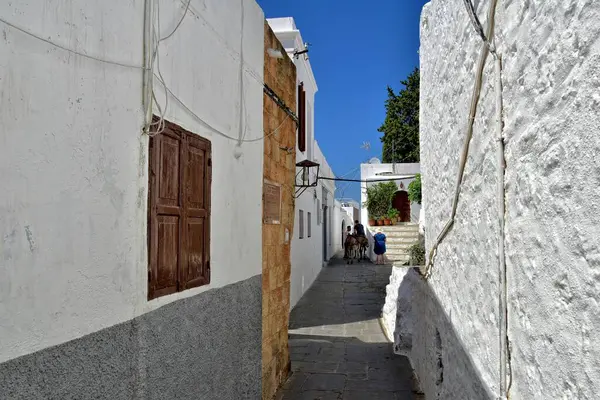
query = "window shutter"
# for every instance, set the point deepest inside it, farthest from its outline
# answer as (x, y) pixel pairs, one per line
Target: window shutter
(197, 185)
(180, 178)
(301, 117)
(164, 213)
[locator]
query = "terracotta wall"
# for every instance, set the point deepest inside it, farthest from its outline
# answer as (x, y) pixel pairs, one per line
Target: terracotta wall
(279, 169)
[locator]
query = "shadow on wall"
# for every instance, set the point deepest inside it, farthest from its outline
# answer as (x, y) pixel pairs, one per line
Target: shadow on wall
(425, 334)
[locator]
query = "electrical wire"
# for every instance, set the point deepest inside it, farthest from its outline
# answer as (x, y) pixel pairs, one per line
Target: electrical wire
(50, 42)
(158, 76)
(187, 7)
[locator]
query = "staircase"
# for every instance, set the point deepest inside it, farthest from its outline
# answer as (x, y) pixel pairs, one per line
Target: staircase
(399, 238)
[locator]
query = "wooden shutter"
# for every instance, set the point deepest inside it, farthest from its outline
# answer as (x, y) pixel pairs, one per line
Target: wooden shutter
(178, 211)
(301, 117)
(197, 178)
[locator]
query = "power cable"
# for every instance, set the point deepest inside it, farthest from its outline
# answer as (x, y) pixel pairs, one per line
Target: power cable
(50, 42)
(187, 7)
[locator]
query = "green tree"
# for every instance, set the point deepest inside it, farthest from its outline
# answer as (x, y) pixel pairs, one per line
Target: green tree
(401, 126)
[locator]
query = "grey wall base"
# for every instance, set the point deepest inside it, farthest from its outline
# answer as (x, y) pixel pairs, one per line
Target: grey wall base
(204, 347)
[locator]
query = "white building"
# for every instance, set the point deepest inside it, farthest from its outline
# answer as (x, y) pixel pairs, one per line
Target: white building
(343, 218)
(403, 174)
(82, 314)
(526, 325)
(312, 243)
(352, 207)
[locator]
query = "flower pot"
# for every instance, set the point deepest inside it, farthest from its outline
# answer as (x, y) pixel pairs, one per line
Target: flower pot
(394, 221)
(387, 221)
(372, 222)
(381, 222)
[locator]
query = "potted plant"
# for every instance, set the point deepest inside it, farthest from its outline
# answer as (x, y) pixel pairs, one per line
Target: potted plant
(379, 200)
(393, 215)
(386, 218)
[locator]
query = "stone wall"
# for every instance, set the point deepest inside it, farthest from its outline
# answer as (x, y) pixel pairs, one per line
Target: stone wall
(279, 168)
(550, 83)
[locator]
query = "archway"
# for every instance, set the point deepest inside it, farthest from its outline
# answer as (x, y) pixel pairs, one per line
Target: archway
(402, 204)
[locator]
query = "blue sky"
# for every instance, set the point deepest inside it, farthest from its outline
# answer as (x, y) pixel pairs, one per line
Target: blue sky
(357, 48)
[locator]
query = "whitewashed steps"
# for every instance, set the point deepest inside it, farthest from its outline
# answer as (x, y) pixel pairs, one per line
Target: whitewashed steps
(399, 239)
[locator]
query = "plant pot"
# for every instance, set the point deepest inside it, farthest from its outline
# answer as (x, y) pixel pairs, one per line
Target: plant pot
(394, 221)
(381, 222)
(387, 221)
(372, 222)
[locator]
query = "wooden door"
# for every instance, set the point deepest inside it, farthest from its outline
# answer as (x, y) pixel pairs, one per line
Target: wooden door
(402, 204)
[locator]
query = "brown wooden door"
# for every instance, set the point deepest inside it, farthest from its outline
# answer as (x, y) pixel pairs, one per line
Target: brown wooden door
(402, 204)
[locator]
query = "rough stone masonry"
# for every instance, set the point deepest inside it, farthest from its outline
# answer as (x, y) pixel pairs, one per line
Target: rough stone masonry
(550, 53)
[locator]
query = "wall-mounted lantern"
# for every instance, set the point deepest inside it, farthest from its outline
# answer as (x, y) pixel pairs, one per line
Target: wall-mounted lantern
(307, 175)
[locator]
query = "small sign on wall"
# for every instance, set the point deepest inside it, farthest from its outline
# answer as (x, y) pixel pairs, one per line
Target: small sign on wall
(271, 203)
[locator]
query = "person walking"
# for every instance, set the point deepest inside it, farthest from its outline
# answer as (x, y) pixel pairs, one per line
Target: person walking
(379, 247)
(359, 229)
(347, 234)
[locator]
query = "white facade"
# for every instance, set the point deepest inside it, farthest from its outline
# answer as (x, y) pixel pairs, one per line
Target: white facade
(342, 220)
(73, 160)
(402, 174)
(308, 253)
(551, 102)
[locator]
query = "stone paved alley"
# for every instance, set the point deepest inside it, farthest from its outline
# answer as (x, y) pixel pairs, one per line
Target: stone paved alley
(337, 347)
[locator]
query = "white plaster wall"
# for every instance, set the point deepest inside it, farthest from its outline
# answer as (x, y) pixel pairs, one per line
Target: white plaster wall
(551, 81)
(370, 171)
(307, 253)
(74, 164)
(341, 216)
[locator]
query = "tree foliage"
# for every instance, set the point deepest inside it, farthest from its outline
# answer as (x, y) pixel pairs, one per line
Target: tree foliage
(401, 126)
(414, 190)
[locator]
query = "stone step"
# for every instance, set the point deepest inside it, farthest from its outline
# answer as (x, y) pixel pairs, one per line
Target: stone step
(396, 252)
(406, 239)
(402, 235)
(404, 246)
(396, 228)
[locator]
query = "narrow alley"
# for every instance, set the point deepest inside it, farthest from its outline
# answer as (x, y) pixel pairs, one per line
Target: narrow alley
(338, 350)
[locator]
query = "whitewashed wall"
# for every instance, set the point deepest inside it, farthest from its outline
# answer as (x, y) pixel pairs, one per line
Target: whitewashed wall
(308, 254)
(551, 75)
(74, 164)
(371, 171)
(342, 219)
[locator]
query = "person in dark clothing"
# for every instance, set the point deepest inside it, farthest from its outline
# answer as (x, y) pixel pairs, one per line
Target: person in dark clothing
(359, 230)
(348, 233)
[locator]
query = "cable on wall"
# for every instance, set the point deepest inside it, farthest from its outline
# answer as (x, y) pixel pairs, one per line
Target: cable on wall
(52, 43)
(505, 366)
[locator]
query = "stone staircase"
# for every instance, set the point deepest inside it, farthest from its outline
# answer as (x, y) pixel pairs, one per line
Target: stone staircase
(399, 239)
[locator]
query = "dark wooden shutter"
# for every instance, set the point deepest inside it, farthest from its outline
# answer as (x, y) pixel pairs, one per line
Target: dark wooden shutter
(197, 178)
(164, 213)
(178, 211)
(301, 117)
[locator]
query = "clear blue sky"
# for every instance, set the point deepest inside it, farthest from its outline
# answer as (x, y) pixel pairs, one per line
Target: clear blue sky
(357, 49)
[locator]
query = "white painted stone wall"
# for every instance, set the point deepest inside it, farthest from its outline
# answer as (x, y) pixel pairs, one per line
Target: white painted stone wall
(342, 219)
(308, 254)
(73, 162)
(373, 171)
(551, 90)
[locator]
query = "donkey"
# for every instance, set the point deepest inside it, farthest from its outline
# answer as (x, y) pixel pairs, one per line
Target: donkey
(363, 244)
(352, 249)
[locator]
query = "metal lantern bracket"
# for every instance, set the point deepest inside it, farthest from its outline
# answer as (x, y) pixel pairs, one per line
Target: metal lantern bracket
(306, 166)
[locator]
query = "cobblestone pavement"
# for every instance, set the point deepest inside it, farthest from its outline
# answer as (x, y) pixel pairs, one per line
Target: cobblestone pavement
(337, 346)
